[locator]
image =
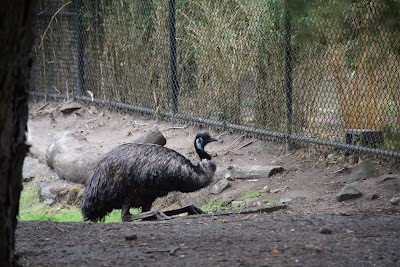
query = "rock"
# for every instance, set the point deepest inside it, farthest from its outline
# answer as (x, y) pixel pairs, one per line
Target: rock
(72, 157)
(131, 237)
(395, 200)
(348, 192)
(372, 196)
(388, 177)
(60, 192)
(246, 172)
(32, 168)
(59, 146)
(252, 202)
(70, 107)
(153, 136)
(314, 248)
(238, 204)
(285, 200)
(220, 186)
(325, 231)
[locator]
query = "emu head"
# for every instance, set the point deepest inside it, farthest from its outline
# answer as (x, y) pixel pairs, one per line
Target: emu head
(201, 140)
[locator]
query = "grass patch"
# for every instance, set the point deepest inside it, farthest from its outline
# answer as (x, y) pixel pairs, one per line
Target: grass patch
(271, 202)
(214, 205)
(248, 194)
(32, 209)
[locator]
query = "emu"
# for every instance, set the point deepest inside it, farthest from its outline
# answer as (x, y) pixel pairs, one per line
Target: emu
(134, 175)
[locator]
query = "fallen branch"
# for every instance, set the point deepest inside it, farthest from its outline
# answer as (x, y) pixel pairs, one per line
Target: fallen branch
(257, 209)
(175, 127)
(193, 210)
(234, 142)
(237, 153)
(249, 143)
(175, 249)
(40, 108)
(220, 135)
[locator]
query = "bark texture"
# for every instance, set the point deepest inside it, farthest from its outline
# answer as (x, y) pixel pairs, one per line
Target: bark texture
(16, 40)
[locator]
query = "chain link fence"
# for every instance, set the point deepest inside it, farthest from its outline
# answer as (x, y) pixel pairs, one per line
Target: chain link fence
(326, 72)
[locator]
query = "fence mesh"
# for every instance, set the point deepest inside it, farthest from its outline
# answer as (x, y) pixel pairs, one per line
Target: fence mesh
(318, 71)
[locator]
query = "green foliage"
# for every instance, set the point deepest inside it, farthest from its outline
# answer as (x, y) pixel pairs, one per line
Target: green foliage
(32, 209)
(271, 202)
(249, 194)
(230, 60)
(214, 205)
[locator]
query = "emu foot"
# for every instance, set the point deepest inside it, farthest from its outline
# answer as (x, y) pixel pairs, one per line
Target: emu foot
(147, 215)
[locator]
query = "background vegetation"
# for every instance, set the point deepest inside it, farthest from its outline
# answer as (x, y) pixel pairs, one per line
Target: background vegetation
(230, 61)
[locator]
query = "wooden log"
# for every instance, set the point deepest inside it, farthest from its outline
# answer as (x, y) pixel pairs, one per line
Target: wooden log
(233, 172)
(74, 158)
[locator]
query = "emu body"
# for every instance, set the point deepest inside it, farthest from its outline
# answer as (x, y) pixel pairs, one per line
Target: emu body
(134, 175)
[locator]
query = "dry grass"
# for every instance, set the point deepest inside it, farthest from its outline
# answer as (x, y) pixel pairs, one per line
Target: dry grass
(230, 60)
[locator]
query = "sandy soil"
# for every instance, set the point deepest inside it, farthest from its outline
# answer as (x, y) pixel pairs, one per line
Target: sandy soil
(364, 231)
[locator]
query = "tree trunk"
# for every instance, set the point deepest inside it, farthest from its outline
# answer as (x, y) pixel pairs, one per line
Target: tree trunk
(16, 40)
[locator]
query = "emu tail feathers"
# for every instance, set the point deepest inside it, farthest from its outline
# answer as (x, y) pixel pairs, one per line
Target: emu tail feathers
(99, 198)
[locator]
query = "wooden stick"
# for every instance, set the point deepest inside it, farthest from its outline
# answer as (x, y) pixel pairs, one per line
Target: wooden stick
(234, 142)
(51, 20)
(249, 143)
(40, 108)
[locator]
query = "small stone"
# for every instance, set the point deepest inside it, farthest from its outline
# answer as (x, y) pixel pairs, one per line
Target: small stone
(285, 200)
(314, 247)
(131, 237)
(395, 200)
(220, 186)
(237, 204)
(70, 107)
(372, 196)
(348, 192)
(325, 231)
(251, 202)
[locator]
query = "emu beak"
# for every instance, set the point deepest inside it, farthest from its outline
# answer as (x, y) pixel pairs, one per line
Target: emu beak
(211, 139)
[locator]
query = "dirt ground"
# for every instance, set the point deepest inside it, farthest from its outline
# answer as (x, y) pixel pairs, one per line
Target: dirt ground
(314, 230)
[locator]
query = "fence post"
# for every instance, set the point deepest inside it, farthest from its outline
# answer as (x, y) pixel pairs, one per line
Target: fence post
(288, 75)
(172, 55)
(79, 90)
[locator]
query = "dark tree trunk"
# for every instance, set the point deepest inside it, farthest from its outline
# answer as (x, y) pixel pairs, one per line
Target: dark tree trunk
(16, 40)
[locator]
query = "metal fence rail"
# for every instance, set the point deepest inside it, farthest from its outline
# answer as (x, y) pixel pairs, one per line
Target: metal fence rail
(325, 72)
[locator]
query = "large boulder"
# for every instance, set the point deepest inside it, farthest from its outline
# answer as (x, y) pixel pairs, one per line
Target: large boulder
(72, 157)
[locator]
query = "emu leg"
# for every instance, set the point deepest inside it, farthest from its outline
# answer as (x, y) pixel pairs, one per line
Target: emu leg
(147, 215)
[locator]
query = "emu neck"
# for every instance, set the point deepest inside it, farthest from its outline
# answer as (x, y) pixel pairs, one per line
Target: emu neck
(200, 150)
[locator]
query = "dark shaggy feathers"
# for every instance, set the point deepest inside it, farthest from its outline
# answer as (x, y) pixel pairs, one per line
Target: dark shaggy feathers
(136, 174)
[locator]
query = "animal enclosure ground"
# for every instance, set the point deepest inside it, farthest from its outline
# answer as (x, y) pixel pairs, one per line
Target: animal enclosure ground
(314, 230)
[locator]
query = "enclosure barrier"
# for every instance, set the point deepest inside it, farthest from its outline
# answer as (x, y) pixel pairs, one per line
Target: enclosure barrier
(324, 72)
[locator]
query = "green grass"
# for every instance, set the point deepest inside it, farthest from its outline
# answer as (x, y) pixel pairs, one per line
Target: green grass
(218, 204)
(214, 205)
(271, 202)
(249, 194)
(32, 209)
